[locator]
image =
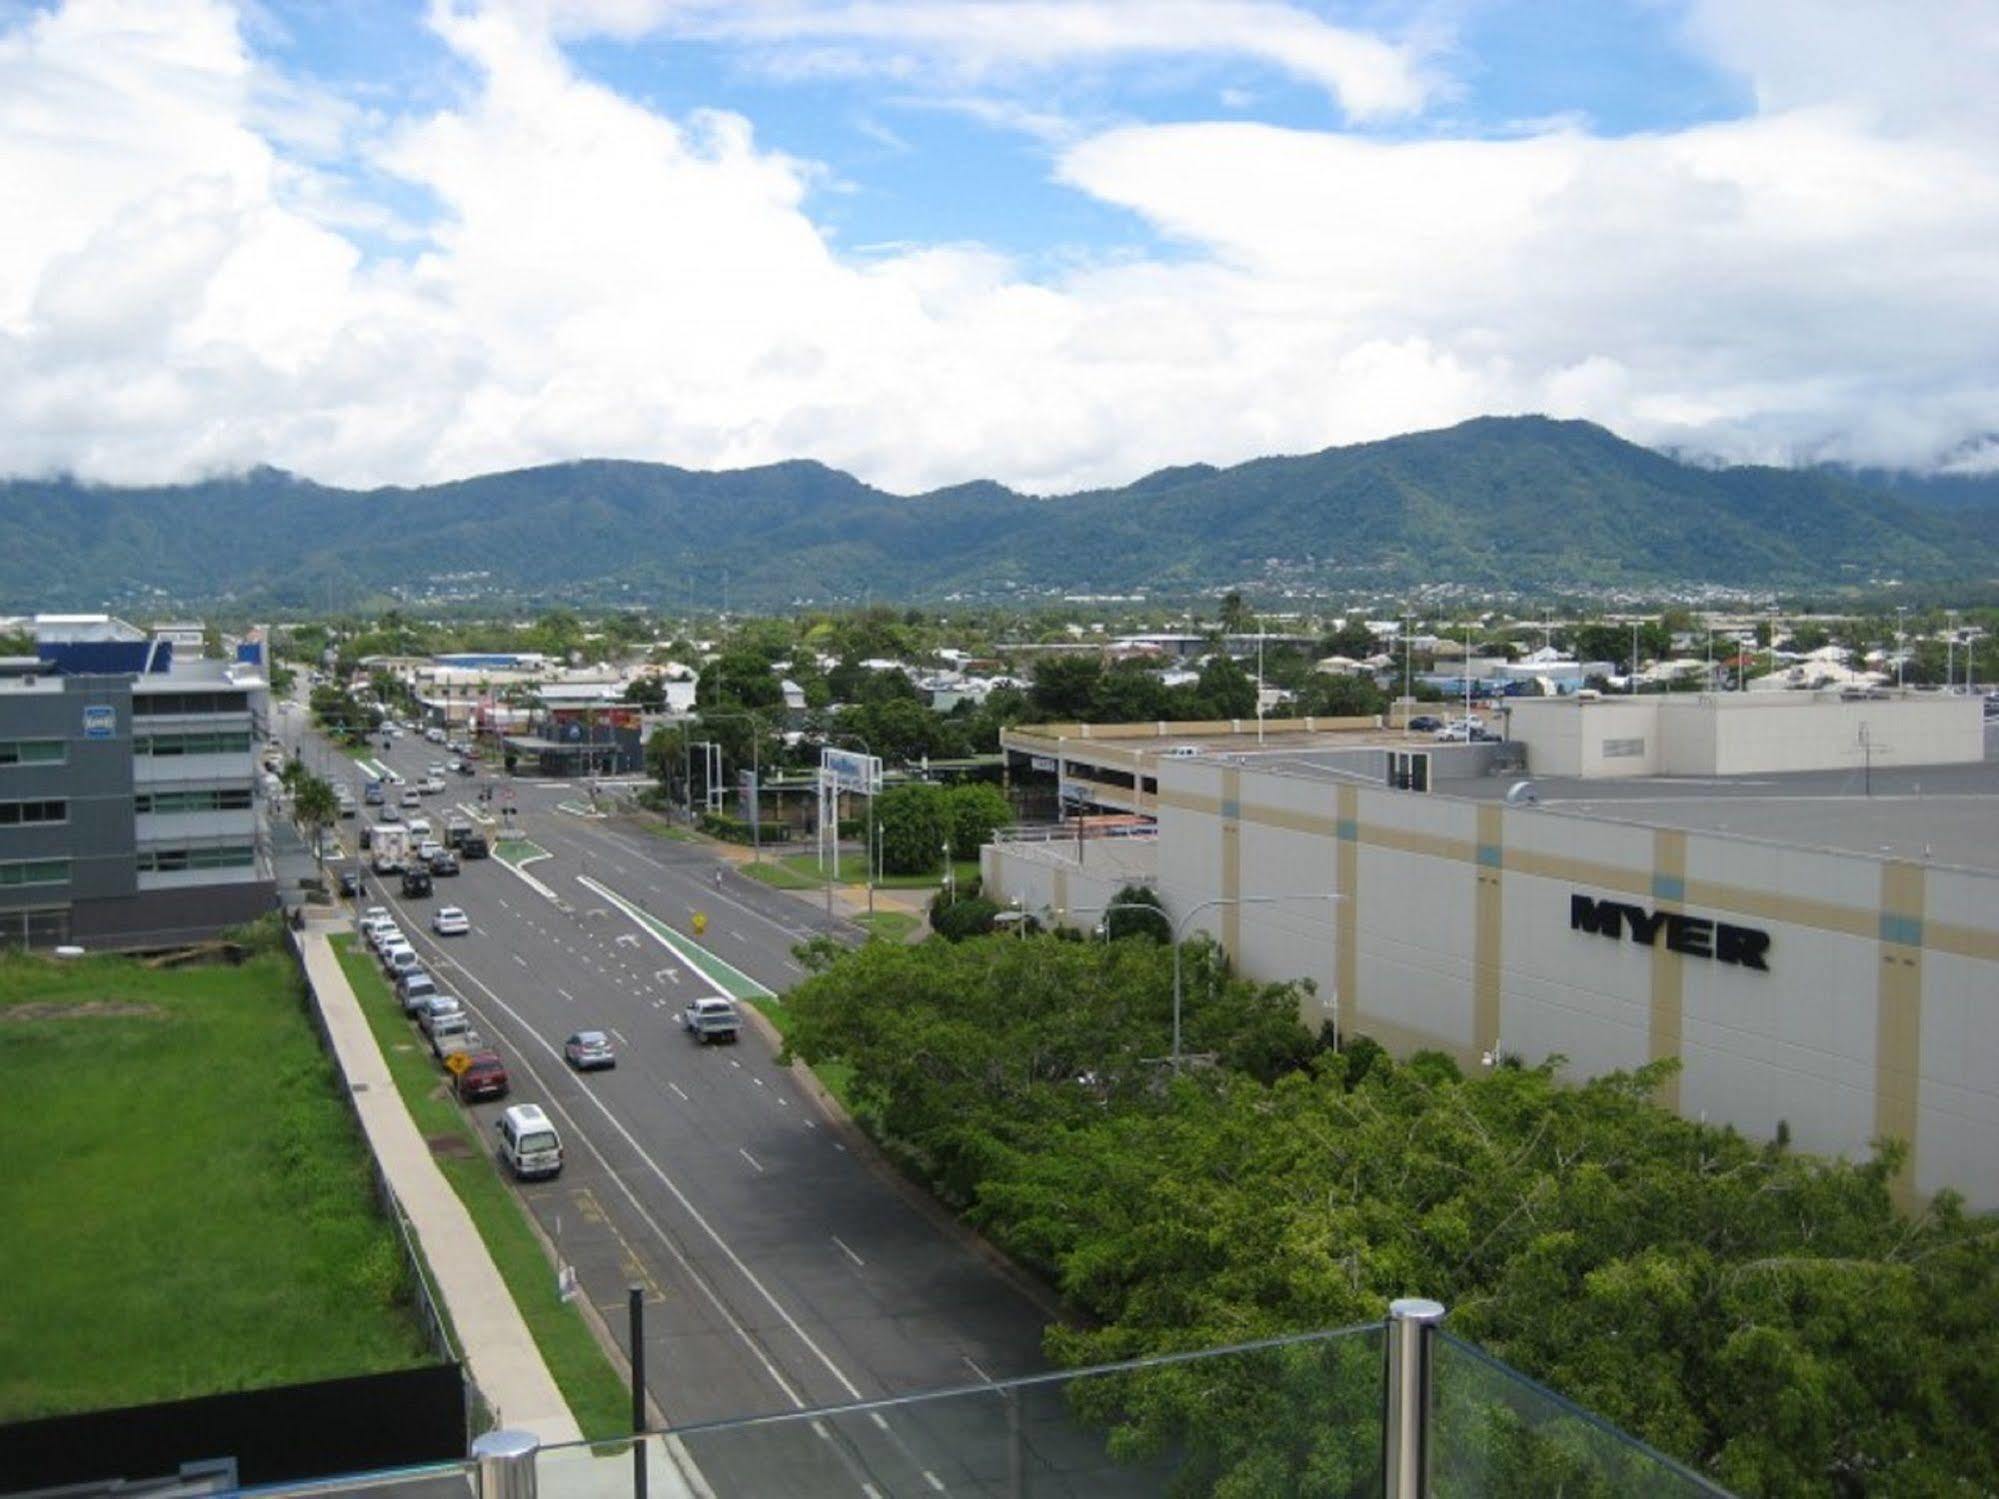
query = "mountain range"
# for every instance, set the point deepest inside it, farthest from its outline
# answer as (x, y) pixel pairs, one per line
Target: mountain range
(1515, 502)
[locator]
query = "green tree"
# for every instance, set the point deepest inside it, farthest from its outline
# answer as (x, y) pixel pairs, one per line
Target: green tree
(1339, 696)
(648, 693)
(914, 823)
(977, 810)
(1064, 688)
(1236, 617)
(1224, 690)
(314, 805)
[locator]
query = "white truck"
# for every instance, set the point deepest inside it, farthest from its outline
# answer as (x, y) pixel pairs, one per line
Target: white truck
(390, 844)
(711, 1019)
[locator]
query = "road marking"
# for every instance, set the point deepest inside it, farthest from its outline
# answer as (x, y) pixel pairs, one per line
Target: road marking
(739, 937)
(679, 1090)
(735, 1064)
(839, 1147)
(810, 1125)
(878, 1419)
(871, 1491)
(518, 959)
(750, 1158)
(933, 1480)
(759, 1082)
(621, 1037)
(478, 931)
(848, 1252)
(972, 1364)
(503, 901)
(567, 995)
(783, 1102)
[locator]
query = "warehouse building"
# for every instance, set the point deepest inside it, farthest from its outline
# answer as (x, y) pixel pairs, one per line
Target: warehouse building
(1817, 959)
(130, 814)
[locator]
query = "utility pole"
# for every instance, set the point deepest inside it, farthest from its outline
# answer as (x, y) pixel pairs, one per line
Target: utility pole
(1631, 685)
(1901, 651)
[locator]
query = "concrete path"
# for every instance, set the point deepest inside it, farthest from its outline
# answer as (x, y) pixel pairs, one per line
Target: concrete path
(504, 1361)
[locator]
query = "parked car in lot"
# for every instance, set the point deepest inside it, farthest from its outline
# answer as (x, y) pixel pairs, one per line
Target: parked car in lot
(450, 922)
(484, 1076)
(588, 1050)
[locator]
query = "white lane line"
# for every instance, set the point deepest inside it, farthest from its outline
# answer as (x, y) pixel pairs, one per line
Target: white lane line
(679, 1090)
(620, 1035)
(878, 1419)
(810, 1125)
(972, 1364)
(503, 901)
(478, 931)
(687, 1206)
(848, 1252)
(933, 1480)
(518, 959)
(735, 1064)
(871, 1491)
(759, 1082)
(783, 1102)
(567, 995)
(751, 1159)
(839, 1147)
(740, 938)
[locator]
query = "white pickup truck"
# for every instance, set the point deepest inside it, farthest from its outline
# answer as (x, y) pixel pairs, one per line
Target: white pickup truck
(711, 1019)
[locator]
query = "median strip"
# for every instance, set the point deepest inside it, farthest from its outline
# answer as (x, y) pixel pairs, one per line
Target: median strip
(726, 977)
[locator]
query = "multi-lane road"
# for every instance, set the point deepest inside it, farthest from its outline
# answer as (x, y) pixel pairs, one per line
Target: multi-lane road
(782, 1266)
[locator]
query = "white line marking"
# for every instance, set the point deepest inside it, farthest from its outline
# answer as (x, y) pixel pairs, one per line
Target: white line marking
(867, 1488)
(621, 1037)
(876, 1417)
(735, 1064)
(839, 1147)
(567, 995)
(848, 1252)
(681, 1091)
(783, 1102)
(933, 1480)
(810, 1125)
(750, 1158)
(740, 937)
(972, 1364)
(518, 959)
(759, 1082)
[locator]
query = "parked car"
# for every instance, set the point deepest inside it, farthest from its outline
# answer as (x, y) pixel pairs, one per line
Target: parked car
(416, 988)
(589, 1050)
(435, 1009)
(352, 885)
(484, 1076)
(450, 1032)
(399, 960)
(450, 922)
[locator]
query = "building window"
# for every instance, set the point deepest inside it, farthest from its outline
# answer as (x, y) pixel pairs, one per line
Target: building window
(31, 752)
(35, 927)
(150, 704)
(230, 799)
(1624, 749)
(34, 872)
(224, 742)
(14, 814)
(175, 860)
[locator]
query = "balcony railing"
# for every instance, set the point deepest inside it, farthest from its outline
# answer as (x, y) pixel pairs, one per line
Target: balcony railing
(1398, 1408)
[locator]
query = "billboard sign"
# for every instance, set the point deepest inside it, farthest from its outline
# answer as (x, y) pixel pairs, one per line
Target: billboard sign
(100, 721)
(850, 772)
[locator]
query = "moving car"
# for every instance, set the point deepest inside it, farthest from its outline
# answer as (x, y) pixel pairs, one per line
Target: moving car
(589, 1050)
(475, 846)
(428, 849)
(484, 1076)
(711, 1019)
(389, 814)
(416, 882)
(444, 861)
(450, 922)
(430, 785)
(464, 767)
(411, 797)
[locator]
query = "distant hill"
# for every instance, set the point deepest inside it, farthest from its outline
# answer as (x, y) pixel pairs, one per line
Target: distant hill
(1522, 502)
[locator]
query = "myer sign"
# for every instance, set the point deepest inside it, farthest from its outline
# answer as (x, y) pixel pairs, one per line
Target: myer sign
(1690, 936)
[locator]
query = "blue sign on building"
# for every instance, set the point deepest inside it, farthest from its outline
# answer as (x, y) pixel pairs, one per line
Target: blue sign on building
(100, 721)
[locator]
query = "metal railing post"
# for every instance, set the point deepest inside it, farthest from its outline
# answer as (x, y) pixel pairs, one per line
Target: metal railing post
(506, 1464)
(1405, 1467)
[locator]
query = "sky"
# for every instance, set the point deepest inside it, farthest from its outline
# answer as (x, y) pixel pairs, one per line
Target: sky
(1056, 243)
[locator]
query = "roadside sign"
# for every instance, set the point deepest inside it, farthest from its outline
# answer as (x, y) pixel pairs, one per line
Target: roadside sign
(700, 922)
(456, 1063)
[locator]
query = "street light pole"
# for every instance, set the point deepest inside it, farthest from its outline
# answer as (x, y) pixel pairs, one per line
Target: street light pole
(756, 781)
(1227, 900)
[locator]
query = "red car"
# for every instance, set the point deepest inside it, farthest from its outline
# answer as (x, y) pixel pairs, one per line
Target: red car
(485, 1076)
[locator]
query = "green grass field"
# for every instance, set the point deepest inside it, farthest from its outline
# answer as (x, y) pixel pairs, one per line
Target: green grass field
(186, 1207)
(597, 1394)
(802, 872)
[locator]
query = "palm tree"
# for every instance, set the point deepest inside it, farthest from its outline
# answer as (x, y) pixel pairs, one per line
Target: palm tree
(315, 807)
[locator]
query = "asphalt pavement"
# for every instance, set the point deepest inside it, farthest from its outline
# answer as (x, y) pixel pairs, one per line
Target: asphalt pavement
(782, 1265)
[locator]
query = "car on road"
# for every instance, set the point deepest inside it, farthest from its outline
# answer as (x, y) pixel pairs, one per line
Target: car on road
(411, 797)
(416, 882)
(711, 1019)
(435, 768)
(444, 861)
(451, 1032)
(399, 960)
(1425, 723)
(384, 934)
(435, 1009)
(528, 1142)
(389, 814)
(484, 1076)
(352, 885)
(428, 849)
(449, 921)
(588, 1050)
(475, 846)
(464, 767)
(416, 988)
(430, 785)
(420, 828)
(434, 735)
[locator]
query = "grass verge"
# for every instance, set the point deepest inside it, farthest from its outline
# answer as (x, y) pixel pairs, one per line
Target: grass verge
(854, 871)
(598, 1396)
(178, 1142)
(890, 926)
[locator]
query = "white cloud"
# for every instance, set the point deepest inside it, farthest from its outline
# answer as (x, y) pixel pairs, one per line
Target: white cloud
(182, 287)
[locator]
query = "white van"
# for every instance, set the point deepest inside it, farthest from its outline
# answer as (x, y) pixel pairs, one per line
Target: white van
(528, 1142)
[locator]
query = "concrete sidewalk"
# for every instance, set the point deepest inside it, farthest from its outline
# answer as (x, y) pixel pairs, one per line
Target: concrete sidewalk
(504, 1361)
